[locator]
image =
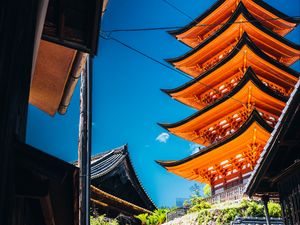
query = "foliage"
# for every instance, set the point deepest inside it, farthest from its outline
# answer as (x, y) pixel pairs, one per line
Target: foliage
(204, 217)
(101, 220)
(245, 209)
(142, 217)
(207, 190)
(156, 218)
(198, 204)
(252, 209)
(196, 190)
(227, 215)
(274, 209)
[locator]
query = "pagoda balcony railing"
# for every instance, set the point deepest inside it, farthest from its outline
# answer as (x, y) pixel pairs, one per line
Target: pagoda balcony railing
(222, 129)
(227, 126)
(211, 96)
(202, 67)
(231, 194)
(276, 87)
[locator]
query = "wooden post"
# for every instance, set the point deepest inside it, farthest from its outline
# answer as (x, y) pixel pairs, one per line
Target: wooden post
(17, 28)
(265, 200)
(84, 145)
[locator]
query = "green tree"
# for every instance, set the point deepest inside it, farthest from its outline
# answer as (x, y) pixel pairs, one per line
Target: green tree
(196, 190)
(207, 190)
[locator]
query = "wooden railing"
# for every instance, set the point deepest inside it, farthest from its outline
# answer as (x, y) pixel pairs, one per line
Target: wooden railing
(231, 194)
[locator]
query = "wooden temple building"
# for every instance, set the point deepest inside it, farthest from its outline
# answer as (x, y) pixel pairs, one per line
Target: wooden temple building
(277, 173)
(241, 81)
(43, 48)
(116, 189)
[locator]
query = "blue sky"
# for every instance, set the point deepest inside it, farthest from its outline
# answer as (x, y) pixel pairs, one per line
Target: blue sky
(128, 102)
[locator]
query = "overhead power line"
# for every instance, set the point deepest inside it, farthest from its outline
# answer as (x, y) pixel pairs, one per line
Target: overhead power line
(179, 10)
(164, 65)
(197, 25)
(107, 35)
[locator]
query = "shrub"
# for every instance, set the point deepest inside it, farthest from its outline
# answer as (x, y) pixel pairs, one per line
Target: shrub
(198, 205)
(156, 218)
(101, 220)
(252, 208)
(227, 215)
(204, 217)
(207, 190)
(274, 209)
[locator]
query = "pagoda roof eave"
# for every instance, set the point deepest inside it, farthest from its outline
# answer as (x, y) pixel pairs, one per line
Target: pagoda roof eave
(254, 117)
(245, 40)
(249, 76)
(241, 10)
(209, 11)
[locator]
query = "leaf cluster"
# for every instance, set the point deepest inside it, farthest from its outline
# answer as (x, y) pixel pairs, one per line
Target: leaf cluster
(102, 220)
(245, 209)
(156, 218)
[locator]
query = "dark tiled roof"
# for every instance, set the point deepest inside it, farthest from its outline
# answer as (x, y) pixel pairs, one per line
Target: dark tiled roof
(113, 172)
(105, 162)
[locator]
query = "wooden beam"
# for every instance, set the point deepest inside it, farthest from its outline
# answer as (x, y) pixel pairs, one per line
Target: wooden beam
(47, 210)
(102, 195)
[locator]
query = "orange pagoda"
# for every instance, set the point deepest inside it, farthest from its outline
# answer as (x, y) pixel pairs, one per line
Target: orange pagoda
(239, 63)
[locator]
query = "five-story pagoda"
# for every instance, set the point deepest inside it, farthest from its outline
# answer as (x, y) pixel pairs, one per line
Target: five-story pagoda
(239, 63)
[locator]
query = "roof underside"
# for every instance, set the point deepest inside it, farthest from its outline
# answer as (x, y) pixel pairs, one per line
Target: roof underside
(230, 147)
(218, 14)
(262, 96)
(70, 29)
(189, 64)
(277, 46)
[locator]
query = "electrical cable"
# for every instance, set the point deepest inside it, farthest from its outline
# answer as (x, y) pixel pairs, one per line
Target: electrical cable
(166, 66)
(179, 10)
(109, 37)
(197, 25)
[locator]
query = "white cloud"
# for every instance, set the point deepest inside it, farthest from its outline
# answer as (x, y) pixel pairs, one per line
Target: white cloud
(163, 137)
(194, 148)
